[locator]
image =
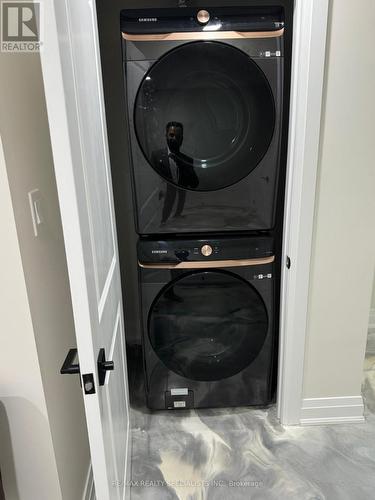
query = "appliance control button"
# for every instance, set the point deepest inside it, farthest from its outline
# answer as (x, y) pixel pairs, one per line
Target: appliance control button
(203, 16)
(182, 254)
(206, 250)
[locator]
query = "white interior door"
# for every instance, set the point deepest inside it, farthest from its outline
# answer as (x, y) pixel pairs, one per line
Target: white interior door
(72, 79)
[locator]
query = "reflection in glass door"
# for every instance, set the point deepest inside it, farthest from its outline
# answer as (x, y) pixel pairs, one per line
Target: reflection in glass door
(208, 325)
(204, 116)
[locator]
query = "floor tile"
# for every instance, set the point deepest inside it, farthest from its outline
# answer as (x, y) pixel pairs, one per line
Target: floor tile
(244, 453)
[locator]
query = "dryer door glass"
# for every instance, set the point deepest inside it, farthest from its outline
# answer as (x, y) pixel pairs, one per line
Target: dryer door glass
(208, 325)
(204, 116)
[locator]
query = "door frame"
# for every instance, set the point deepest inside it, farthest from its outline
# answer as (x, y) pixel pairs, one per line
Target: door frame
(308, 61)
(308, 65)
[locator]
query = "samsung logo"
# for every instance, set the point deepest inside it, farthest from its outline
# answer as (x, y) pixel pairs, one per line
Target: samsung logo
(147, 19)
(159, 251)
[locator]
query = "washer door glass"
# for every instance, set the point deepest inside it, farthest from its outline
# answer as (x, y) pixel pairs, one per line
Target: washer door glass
(204, 116)
(208, 325)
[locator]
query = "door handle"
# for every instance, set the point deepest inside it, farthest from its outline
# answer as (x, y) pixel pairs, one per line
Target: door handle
(68, 367)
(103, 366)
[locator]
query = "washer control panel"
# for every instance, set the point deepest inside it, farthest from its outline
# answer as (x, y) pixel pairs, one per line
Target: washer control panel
(210, 249)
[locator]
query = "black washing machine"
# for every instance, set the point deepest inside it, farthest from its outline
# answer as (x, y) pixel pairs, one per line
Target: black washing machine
(209, 331)
(205, 96)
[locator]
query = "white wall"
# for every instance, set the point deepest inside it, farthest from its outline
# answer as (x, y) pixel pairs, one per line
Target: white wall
(27, 149)
(344, 240)
(26, 450)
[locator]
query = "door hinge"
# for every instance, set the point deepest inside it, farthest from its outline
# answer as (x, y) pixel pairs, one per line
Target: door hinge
(288, 262)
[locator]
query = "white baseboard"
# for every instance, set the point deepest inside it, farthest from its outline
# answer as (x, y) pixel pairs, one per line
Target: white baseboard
(89, 491)
(371, 326)
(319, 411)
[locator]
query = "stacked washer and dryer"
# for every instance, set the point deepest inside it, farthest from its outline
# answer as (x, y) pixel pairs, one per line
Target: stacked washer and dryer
(207, 100)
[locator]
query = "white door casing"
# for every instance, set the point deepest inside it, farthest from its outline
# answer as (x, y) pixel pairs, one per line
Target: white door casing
(308, 62)
(74, 96)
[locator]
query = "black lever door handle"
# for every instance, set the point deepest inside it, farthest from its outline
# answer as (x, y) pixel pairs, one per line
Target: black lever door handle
(68, 367)
(103, 366)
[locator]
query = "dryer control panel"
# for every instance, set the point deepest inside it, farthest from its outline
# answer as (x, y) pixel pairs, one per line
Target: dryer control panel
(190, 19)
(205, 249)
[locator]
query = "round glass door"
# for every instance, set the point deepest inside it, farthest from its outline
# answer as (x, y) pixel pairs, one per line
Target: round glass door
(208, 325)
(204, 116)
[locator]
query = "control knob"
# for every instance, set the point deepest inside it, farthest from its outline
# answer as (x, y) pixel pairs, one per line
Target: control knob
(206, 250)
(203, 17)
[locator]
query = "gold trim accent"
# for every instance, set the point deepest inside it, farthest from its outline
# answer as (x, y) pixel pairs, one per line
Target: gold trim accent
(210, 264)
(202, 35)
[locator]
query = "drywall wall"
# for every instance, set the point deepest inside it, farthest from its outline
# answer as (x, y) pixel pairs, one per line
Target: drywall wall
(344, 240)
(27, 460)
(28, 156)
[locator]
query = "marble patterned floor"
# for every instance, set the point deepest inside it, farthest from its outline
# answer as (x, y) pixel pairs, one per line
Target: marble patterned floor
(245, 453)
